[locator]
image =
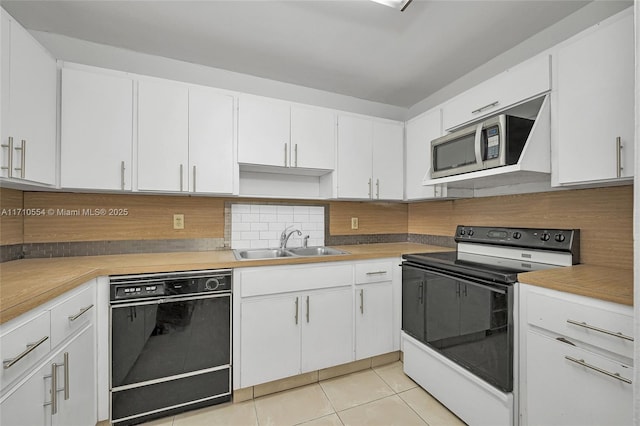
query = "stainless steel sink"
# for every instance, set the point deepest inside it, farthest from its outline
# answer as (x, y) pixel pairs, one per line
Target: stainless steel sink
(315, 251)
(276, 253)
(261, 254)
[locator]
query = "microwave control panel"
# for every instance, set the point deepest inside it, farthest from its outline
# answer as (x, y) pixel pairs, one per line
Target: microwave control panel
(493, 142)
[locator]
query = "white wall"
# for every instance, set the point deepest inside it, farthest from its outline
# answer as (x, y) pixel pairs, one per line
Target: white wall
(100, 55)
(636, 229)
(562, 30)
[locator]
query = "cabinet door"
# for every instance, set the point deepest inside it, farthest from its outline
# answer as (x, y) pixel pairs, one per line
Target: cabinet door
(420, 132)
(355, 137)
(32, 108)
(96, 131)
(80, 407)
(25, 404)
(210, 141)
(163, 129)
(561, 392)
(327, 328)
(595, 104)
(374, 319)
(388, 155)
(270, 339)
(313, 138)
(5, 50)
(263, 132)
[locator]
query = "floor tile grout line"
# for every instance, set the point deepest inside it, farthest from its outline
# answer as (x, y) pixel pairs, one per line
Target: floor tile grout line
(411, 408)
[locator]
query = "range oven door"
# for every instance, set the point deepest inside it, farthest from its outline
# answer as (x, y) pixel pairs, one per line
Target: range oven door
(169, 353)
(467, 320)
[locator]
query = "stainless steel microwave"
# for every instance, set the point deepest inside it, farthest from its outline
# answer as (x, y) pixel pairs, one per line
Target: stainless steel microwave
(495, 142)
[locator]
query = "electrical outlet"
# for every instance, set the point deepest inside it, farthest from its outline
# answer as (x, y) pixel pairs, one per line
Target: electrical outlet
(178, 221)
(354, 223)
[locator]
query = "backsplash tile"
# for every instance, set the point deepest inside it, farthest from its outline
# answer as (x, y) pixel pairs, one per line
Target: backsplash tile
(260, 225)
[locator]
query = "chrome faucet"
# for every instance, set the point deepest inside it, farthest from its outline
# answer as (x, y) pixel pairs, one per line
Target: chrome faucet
(284, 237)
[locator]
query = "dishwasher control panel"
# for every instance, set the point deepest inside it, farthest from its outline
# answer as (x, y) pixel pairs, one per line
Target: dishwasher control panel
(150, 286)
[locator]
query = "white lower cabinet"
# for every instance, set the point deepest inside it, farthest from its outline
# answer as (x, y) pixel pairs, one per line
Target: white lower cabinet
(31, 403)
(575, 364)
(65, 361)
(374, 319)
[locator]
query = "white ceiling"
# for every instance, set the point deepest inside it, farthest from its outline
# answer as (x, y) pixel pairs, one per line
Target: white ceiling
(352, 47)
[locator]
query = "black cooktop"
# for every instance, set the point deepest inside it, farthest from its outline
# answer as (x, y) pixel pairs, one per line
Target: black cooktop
(495, 269)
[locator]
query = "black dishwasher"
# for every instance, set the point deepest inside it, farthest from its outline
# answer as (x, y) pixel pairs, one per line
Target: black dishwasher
(170, 346)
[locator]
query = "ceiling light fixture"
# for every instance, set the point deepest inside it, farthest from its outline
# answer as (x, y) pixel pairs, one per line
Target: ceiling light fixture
(396, 4)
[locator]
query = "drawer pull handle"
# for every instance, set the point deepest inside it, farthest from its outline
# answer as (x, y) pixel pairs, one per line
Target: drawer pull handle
(30, 348)
(377, 273)
(598, 369)
(79, 314)
(601, 330)
(563, 340)
(491, 105)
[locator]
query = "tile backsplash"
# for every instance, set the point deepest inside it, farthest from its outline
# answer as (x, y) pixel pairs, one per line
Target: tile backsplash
(260, 225)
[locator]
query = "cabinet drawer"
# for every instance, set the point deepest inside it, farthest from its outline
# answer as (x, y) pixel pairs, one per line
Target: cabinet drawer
(272, 280)
(374, 272)
(522, 82)
(72, 314)
(24, 345)
(573, 319)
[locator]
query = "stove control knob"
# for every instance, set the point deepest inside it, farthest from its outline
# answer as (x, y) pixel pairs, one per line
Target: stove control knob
(462, 232)
(560, 238)
(470, 233)
(517, 235)
(545, 237)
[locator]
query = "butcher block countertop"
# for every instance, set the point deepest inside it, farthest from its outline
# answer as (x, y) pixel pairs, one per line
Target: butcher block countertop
(28, 283)
(611, 284)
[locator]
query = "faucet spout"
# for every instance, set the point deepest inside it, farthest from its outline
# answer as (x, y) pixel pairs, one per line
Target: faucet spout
(284, 237)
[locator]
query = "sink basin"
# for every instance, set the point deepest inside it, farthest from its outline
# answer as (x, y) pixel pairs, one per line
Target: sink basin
(315, 251)
(276, 253)
(261, 254)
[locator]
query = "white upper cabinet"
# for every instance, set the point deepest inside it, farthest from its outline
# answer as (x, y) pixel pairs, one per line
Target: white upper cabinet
(313, 136)
(96, 130)
(515, 85)
(163, 132)
(263, 131)
(29, 101)
(388, 157)
(280, 134)
(370, 157)
(595, 108)
(185, 138)
(210, 141)
(420, 132)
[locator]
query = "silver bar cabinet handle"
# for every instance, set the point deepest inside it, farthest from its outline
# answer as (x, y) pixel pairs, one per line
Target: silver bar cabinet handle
(23, 150)
(307, 309)
(370, 188)
(79, 314)
(598, 369)
(297, 310)
(362, 301)
(66, 376)
(54, 388)
(285, 154)
(491, 105)
(378, 189)
(194, 178)
(9, 146)
(619, 167)
(376, 273)
(600, 330)
(122, 175)
(296, 154)
(181, 177)
(7, 363)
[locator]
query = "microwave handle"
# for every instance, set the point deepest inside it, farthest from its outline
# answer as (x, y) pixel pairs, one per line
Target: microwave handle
(478, 143)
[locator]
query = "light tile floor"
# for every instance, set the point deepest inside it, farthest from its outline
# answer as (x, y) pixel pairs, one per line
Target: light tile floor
(382, 396)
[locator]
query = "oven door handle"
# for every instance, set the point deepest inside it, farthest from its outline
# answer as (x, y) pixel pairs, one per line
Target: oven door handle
(486, 285)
